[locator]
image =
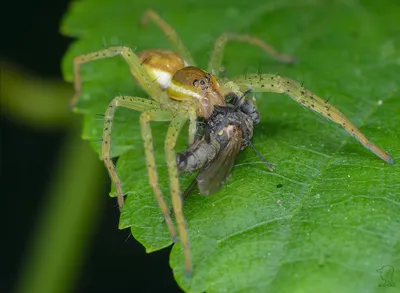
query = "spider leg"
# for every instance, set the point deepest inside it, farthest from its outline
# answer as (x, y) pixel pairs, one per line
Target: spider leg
(135, 67)
(278, 84)
(145, 118)
(170, 33)
(217, 53)
(150, 112)
(174, 128)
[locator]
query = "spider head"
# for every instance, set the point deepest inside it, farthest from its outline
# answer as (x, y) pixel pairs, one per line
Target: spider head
(192, 83)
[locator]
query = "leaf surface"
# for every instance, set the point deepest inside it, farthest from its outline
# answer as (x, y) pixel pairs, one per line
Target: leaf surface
(329, 215)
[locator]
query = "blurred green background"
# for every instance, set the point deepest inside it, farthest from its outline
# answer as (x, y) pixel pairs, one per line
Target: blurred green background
(59, 237)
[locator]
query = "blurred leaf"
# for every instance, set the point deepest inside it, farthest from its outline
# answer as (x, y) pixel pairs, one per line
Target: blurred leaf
(54, 258)
(35, 101)
(336, 215)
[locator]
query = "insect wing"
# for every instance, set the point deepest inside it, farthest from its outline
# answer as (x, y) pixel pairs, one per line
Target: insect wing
(213, 177)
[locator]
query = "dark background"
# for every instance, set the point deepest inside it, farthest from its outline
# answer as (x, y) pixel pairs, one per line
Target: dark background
(31, 40)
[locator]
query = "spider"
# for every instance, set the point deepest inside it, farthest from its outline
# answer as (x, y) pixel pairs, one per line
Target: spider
(180, 91)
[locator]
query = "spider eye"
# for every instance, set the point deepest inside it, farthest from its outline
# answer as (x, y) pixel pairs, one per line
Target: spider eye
(196, 82)
(202, 82)
(208, 76)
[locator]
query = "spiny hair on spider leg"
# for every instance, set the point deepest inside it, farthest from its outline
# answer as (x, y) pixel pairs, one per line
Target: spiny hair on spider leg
(104, 42)
(134, 49)
(144, 61)
(245, 73)
(326, 102)
(155, 80)
(97, 141)
(259, 72)
(120, 43)
(259, 69)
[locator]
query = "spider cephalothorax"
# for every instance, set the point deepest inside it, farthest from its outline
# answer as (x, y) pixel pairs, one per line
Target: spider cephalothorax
(161, 65)
(179, 92)
(198, 86)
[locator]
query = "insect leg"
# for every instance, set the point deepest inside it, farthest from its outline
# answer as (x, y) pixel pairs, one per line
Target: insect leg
(135, 67)
(278, 84)
(170, 33)
(214, 65)
(174, 128)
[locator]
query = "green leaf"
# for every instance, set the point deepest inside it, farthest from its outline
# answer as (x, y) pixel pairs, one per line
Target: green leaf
(329, 215)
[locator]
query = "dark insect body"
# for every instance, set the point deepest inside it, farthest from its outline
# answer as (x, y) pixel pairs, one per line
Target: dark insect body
(228, 131)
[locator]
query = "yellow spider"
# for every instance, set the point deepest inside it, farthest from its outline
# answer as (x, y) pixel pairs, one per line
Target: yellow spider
(179, 92)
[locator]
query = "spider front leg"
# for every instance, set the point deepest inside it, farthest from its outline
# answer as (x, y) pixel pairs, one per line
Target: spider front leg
(214, 65)
(278, 84)
(151, 112)
(133, 61)
(170, 33)
(173, 131)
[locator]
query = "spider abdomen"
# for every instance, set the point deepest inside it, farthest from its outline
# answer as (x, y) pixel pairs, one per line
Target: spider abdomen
(161, 65)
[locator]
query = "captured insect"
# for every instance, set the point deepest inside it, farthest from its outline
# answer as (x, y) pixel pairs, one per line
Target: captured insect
(228, 131)
(182, 92)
